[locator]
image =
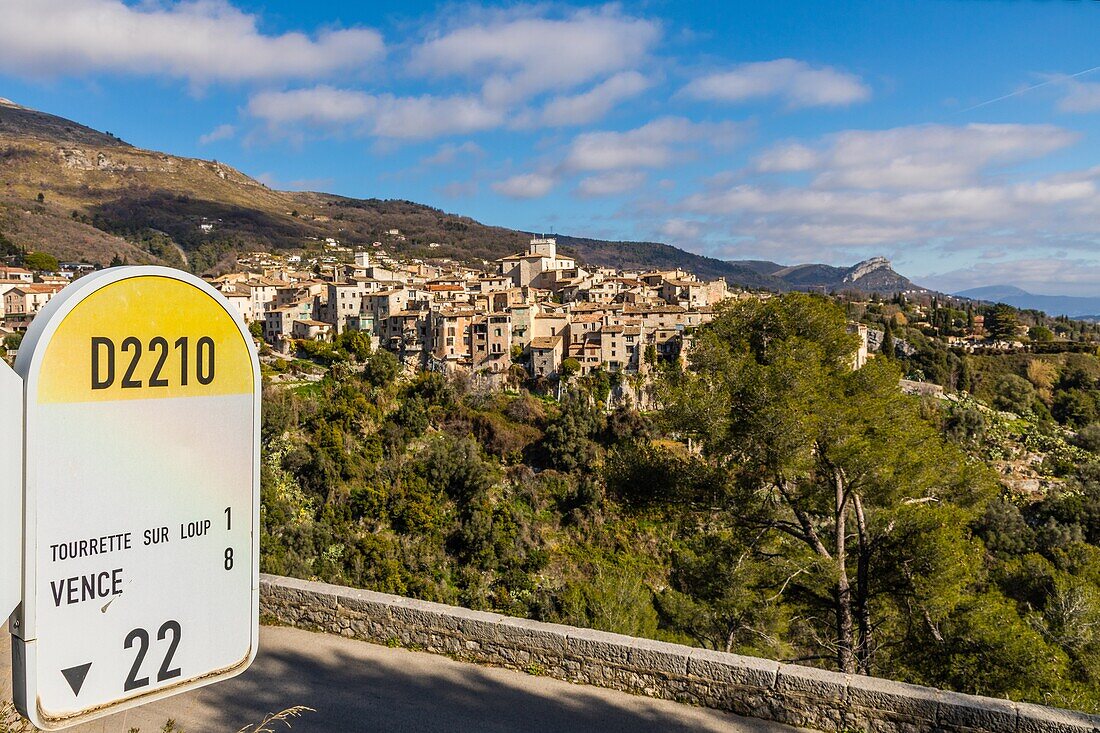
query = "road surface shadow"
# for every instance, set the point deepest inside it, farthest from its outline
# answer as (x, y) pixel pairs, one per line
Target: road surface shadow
(357, 686)
(397, 690)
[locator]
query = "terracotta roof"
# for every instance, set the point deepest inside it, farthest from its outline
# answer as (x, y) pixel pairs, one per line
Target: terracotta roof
(545, 342)
(36, 289)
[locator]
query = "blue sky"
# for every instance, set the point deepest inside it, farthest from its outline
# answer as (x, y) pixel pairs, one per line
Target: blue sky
(960, 139)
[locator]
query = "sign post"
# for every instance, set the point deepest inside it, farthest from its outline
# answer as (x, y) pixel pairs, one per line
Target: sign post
(11, 490)
(141, 532)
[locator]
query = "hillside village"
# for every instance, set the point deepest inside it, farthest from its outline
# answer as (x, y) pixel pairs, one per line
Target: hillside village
(538, 306)
(538, 309)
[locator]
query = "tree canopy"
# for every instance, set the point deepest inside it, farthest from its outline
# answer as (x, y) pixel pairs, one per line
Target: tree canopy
(837, 467)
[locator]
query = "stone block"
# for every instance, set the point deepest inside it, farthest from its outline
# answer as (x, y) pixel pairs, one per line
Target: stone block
(600, 646)
(820, 684)
(808, 698)
(363, 602)
(873, 702)
(966, 713)
(423, 615)
(659, 657)
(1039, 719)
(733, 669)
(527, 634)
(477, 625)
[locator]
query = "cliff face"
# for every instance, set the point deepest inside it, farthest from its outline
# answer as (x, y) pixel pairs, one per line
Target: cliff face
(875, 275)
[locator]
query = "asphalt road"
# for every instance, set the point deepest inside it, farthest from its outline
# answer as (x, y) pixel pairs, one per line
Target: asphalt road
(356, 686)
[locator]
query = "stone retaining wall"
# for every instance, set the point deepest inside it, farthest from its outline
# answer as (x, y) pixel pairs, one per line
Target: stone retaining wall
(799, 696)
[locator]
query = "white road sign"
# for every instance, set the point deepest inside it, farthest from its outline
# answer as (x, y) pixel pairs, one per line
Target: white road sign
(11, 489)
(141, 537)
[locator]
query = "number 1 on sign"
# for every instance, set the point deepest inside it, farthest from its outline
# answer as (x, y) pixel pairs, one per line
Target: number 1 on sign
(228, 526)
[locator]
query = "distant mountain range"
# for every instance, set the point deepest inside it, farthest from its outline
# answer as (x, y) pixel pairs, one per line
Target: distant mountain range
(875, 275)
(1053, 305)
(81, 194)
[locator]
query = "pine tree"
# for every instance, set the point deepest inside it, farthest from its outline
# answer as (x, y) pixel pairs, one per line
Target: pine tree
(887, 348)
(964, 381)
(848, 517)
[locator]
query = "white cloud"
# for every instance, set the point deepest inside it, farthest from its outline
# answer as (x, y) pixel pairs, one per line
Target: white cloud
(321, 105)
(610, 184)
(381, 115)
(428, 116)
(1054, 192)
(680, 230)
(594, 104)
(993, 205)
(448, 153)
(795, 82)
(615, 158)
(936, 187)
(516, 58)
(221, 132)
(526, 186)
(198, 40)
(787, 158)
(653, 145)
(806, 222)
(1080, 97)
(916, 157)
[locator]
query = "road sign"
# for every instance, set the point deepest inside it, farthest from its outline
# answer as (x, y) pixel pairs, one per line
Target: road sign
(11, 489)
(141, 538)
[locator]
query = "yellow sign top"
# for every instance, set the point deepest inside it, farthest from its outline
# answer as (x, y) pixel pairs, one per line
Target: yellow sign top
(145, 337)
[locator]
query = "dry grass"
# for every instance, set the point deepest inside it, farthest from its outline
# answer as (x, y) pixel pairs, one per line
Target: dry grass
(12, 722)
(46, 227)
(284, 717)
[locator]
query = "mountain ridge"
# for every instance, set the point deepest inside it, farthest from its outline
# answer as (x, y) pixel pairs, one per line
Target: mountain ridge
(1054, 305)
(88, 195)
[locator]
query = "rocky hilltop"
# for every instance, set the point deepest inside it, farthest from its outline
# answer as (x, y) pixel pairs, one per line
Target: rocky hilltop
(875, 275)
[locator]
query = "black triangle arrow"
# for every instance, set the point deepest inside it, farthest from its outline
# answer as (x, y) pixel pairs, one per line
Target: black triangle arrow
(76, 675)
